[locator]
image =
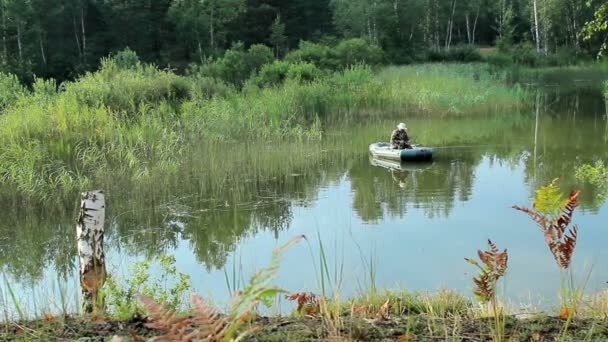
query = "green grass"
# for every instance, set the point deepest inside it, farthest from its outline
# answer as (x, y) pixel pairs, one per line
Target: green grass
(140, 121)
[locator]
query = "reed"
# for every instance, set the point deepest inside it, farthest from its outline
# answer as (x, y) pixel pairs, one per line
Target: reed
(140, 121)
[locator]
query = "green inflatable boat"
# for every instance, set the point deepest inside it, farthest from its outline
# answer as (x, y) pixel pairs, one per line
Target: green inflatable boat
(416, 153)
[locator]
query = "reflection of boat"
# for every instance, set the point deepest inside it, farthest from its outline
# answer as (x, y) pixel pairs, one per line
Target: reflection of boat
(398, 165)
(417, 153)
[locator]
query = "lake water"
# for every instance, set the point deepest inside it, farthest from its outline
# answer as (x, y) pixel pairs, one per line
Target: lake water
(405, 226)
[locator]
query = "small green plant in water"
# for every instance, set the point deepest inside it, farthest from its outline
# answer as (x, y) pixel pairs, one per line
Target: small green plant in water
(597, 175)
(170, 287)
(493, 266)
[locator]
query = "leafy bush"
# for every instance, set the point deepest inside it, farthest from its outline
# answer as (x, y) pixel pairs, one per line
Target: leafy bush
(237, 65)
(126, 59)
(303, 72)
(120, 296)
(10, 90)
(525, 54)
(458, 53)
(358, 51)
(204, 87)
(124, 90)
(272, 74)
(317, 54)
(276, 73)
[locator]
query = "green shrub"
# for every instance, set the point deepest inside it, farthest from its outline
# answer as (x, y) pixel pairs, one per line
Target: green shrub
(358, 51)
(126, 59)
(320, 55)
(303, 72)
(276, 73)
(272, 74)
(11, 90)
(124, 90)
(458, 53)
(120, 295)
(204, 87)
(237, 65)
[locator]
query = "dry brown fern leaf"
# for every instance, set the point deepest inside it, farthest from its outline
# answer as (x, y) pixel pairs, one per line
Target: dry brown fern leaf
(308, 302)
(495, 265)
(206, 324)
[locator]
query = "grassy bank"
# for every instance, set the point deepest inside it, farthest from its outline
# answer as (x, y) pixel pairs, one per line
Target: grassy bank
(137, 120)
(390, 316)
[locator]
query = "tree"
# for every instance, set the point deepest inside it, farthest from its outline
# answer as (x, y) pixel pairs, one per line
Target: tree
(598, 27)
(277, 35)
(197, 18)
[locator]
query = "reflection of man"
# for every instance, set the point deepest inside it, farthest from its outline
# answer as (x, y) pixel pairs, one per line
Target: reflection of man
(400, 177)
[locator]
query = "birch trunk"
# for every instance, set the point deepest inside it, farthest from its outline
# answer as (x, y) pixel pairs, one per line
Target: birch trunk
(212, 29)
(475, 23)
(77, 39)
(84, 36)
(42, 50)
(4, 52)
(537, 35)
(19, 46)
(89, 234)
(466, 19)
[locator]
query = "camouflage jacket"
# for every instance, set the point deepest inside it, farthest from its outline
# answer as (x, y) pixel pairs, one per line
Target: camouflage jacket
(400, 139)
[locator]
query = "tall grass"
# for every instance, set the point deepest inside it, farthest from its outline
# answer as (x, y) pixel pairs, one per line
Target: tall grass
(140, 120)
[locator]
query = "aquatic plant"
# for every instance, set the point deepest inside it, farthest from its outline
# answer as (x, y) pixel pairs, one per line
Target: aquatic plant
(493, 266)
(597, 175)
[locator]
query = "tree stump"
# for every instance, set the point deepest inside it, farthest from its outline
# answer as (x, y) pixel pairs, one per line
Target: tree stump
(89, 235)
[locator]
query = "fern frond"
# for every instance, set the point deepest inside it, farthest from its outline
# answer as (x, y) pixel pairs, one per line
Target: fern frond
(541, 219)
(165, 319)
(566, 214)
(210, 324)
(495, 266)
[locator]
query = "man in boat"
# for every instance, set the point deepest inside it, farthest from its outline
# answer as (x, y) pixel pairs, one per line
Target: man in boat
(399, 138)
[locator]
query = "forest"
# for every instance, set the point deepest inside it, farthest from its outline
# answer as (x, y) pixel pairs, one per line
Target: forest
(62, 39)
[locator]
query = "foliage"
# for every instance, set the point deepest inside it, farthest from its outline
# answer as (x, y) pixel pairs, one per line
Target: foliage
(126, 59)
(494, 267)
(308, 302)
(560, 238)
(237, 65)
(120, 295)
(525, 54)
(598, 27)
(597, 175)
(495, 264)
(358, 51)
(316, 54)
(63, 39)
(459, 53)
(207, 324)
(549, 199)
(11, 90)
(140, 122)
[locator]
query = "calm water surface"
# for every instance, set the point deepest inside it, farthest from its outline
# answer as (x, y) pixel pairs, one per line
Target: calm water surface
(410, 224)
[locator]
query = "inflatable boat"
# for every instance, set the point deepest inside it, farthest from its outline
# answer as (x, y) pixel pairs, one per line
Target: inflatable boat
(416, 153)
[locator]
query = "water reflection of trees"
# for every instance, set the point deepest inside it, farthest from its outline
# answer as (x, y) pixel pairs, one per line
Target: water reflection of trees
(572, 130)
(210, 204)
